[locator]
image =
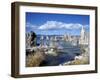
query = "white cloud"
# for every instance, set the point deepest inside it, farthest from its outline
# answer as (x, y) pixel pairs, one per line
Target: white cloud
(59, 25)
(56, 25)
(29, 25)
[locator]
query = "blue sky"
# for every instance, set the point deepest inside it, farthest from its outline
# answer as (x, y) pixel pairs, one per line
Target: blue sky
(56, 24)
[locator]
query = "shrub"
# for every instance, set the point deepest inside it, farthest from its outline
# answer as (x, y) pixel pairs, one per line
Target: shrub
(33, 60)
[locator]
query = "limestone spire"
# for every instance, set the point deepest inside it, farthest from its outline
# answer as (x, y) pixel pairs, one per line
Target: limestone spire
(82, 30)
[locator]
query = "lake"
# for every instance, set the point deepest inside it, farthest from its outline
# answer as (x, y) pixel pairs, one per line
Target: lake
(67, 53)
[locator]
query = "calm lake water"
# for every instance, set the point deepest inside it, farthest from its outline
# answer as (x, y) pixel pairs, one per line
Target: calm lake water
(68, 54)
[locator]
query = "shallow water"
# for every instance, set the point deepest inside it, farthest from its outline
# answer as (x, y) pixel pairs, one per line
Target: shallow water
(62, 57)
(67, 53)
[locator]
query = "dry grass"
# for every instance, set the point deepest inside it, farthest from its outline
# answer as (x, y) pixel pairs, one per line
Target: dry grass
(84, 60)
(34, 60)
(77, 62)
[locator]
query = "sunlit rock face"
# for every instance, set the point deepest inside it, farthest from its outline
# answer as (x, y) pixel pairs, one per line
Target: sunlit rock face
(84, 37)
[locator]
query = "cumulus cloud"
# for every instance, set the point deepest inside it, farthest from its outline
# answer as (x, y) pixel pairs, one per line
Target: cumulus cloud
(59, 25)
